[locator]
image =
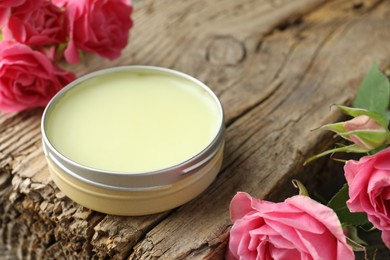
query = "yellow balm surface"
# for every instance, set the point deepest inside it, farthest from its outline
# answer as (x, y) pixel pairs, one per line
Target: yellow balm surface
(133, 122)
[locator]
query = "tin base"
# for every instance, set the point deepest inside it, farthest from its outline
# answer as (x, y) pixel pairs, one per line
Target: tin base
(137, 202)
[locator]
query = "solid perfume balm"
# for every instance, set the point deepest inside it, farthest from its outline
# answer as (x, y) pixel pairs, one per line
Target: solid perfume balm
(133, 140)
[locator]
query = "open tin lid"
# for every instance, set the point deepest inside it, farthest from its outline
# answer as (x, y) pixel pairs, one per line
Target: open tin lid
(132, 180)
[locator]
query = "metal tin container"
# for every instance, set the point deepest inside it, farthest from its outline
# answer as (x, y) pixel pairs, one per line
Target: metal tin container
(134, 193)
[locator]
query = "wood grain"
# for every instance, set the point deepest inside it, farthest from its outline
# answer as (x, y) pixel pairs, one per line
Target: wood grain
(276, 66)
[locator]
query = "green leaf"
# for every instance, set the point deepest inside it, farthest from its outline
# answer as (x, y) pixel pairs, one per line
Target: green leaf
(339, 204)
(374, 92)
(336, 127)
(355, 246)
(353, 234)
(353, 148)
(299, 185)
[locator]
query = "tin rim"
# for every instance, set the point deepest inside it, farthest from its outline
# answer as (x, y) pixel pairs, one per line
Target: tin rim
(119, 180)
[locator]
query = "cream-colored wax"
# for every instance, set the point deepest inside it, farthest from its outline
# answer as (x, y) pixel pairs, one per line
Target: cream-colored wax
(129, 122)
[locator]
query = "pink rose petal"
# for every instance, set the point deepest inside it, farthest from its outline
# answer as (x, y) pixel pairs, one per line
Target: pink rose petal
(369, 189)
(27, 78)
(86, 20)
(298, 228)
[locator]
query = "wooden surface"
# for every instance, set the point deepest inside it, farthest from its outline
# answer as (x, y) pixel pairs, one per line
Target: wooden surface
(277, 66)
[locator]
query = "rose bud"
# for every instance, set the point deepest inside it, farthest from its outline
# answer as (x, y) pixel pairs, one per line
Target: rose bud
(365, 132)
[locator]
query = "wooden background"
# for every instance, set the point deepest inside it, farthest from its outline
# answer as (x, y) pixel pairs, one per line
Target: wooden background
(277, 66)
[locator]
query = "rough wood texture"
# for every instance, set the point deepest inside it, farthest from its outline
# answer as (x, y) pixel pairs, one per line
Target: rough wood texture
(276, 65)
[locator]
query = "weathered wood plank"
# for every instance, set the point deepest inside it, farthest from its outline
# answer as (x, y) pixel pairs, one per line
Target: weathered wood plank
(276, 65)
(312, 77)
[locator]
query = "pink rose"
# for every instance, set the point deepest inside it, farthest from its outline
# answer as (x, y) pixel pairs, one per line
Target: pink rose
(27, 78)
(98, 26)
(36, 23)
(298, 228)
(369, 189)
(5, 9)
